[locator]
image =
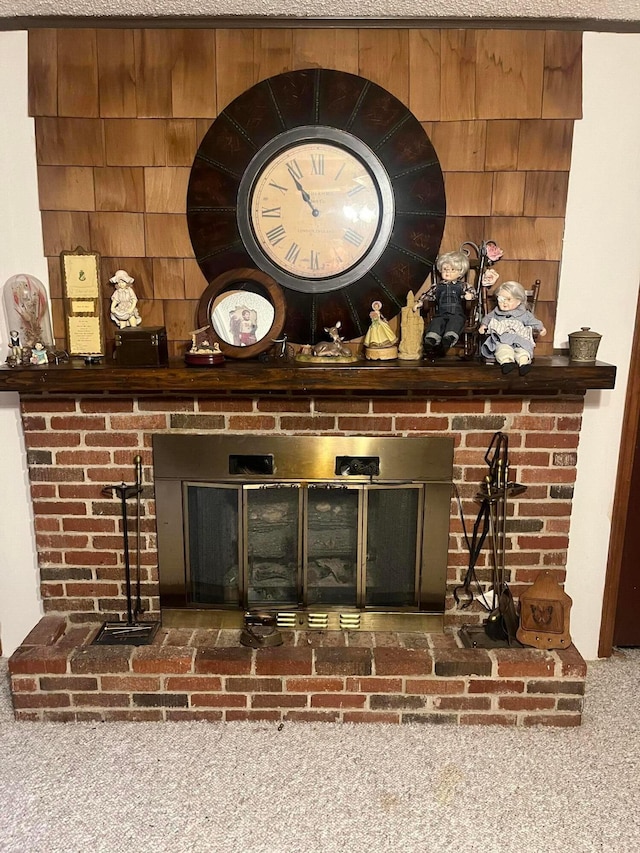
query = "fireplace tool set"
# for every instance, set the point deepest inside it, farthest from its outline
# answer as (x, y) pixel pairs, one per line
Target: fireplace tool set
(131, 632)
(500, 626)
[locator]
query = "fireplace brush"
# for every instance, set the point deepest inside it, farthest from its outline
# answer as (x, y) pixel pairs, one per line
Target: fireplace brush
(129, 632)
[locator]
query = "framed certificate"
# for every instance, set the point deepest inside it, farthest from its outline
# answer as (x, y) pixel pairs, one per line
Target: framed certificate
(83, 308)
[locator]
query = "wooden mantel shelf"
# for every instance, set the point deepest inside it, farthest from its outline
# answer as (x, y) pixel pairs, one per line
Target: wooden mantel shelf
(555, 374)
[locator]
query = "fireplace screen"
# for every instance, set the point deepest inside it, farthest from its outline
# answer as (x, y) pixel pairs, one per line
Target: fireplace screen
(254, 530)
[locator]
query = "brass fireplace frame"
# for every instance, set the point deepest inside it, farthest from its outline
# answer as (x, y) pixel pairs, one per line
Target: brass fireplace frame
(309, 461)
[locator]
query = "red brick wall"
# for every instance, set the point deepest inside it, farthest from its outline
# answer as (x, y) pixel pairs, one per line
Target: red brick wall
(77, 446)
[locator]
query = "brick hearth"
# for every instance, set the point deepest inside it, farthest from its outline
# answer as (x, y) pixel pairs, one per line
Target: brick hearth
(56, 675)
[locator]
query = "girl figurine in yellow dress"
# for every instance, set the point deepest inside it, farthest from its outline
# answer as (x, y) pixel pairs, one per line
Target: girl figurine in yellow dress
(380, 342)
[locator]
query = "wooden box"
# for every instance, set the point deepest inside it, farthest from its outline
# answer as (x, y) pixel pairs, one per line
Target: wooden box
(144, 346)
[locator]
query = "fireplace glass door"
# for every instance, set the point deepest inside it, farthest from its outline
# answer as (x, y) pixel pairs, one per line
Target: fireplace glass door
(287, 545)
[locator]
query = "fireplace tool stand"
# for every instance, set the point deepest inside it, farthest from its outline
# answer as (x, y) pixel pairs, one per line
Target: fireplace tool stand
(499, 628)
(131, 632)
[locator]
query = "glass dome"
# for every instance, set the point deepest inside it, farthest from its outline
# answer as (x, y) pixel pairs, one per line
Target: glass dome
(26, 307)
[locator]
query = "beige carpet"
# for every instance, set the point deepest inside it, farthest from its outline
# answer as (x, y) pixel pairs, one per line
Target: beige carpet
(323, 788)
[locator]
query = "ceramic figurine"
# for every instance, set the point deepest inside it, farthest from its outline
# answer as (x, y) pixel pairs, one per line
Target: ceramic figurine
(124, 311)
(380, 341)
(334, 348)
(39, 354)
(448, 294)
(509, 330)
(411, 331)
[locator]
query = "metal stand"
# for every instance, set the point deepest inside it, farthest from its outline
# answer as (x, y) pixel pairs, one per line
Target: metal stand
(130, 632)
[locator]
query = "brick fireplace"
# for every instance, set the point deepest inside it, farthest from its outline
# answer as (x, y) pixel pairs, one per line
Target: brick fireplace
(78, 444)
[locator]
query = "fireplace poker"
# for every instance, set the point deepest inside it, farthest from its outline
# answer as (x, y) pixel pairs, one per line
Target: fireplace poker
(139, 610)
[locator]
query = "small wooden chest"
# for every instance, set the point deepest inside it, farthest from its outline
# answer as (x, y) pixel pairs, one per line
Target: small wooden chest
(144, 346)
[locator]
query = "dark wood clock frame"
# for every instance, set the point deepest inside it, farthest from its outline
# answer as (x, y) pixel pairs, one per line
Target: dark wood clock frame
(246, 132)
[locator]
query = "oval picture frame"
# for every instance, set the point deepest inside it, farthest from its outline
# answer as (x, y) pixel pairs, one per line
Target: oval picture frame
(245, 309)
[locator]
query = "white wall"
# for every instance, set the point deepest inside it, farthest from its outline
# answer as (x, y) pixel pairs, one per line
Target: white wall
(603, 216)
(20, 251)
(603, 220)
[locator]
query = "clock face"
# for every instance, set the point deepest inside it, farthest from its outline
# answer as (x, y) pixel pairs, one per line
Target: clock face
(316, 214)
(327, 183)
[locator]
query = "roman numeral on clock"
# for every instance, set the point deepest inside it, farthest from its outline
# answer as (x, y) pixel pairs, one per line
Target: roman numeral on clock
(294, 170)
(271, 212)
(317, 164)
(292, 254)
(353, 237)
(276, 235)
(273, 184)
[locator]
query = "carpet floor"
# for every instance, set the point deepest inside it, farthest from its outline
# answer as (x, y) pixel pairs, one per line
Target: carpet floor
(323, 788)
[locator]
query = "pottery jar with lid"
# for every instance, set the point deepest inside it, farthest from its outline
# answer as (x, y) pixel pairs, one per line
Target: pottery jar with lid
(583, 345)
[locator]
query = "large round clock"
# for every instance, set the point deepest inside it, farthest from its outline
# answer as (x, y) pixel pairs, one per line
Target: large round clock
(328, 183)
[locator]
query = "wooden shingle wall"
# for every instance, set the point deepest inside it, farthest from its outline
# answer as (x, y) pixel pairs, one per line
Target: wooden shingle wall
(119, 115)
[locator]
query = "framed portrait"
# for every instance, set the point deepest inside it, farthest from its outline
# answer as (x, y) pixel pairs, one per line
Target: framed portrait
(245, 309)
(83, 306)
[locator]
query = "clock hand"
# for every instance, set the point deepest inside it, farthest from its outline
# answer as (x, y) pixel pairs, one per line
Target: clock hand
(305, 195)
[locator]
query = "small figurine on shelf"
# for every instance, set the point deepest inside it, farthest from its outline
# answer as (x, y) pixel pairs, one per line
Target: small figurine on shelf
(14, 345)
(203, 353)
(39, 354)
(380, 341)
(448, 293)
(335, 348)
(124, 311)
(509, 330)
(411, 331)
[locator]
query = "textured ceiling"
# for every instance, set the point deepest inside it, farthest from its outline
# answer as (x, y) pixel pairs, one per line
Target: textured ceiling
(597, 10)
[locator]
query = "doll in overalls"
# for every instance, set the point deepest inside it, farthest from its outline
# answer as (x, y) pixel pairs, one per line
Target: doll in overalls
(448, 293)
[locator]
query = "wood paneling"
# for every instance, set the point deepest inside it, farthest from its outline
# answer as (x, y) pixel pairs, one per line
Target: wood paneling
(194, 281)
(458, 75)
(78, 73)
(193, 74)
(468, 193)
(424, 74)
(545, 145)
(562, 92)
(546, 193)
(383, 58)
(509, 73)
(119, 188)
(153, 61)
(326, 48)
(502, 140)
(66, 188)
(528, 237)
(461, 145)
(131, 142)
(116, 73)
(167, 236)
(165, 190)
(168, 278)
(117, 234)
(64, 230)
(69, 142)
(508, 193)
(181, 141)
(498, 105)
(43, 72)
(234, 53)
(272, 52)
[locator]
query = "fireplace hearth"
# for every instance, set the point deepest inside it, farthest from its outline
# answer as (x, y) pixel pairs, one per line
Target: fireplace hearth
(325, 530)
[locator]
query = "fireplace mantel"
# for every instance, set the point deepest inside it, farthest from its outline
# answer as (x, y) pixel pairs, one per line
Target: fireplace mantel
(553, 374)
